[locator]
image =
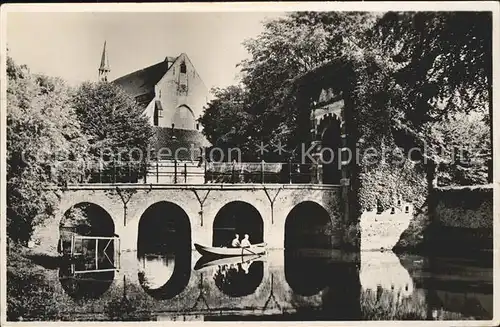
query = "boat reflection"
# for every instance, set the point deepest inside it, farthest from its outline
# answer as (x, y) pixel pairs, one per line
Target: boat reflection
(236, 276)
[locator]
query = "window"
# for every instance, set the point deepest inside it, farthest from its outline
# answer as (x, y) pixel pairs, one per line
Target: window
(183, 68)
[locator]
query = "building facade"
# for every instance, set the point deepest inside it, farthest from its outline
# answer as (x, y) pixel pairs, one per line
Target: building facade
(171, 92)
(172, 95)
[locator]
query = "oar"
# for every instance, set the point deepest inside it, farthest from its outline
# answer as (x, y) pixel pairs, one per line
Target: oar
(254, 245)
(248, 251)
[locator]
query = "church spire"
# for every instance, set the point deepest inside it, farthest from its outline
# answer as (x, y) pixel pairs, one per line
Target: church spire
(104, 67)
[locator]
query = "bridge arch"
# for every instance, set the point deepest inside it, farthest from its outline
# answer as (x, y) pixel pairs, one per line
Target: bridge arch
(164, 250)
(237, 217)
(308, 225)
(86, 219)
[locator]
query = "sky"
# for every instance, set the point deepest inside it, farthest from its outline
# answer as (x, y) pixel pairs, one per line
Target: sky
(69, 45)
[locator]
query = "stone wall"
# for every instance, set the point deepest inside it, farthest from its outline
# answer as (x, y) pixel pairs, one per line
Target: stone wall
(381, 231)
(462, 218)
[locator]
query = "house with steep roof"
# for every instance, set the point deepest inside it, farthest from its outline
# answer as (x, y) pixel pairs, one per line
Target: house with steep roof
(172, 95)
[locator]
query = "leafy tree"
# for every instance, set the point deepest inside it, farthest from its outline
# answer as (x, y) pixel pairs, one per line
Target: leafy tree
(287, 47)
(413, 71)
(227, 124)
(441, 65)
(465, 148)
(118, 132)
(44, 147)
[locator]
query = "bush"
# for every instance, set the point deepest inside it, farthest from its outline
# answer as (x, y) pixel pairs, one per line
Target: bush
(29, 295)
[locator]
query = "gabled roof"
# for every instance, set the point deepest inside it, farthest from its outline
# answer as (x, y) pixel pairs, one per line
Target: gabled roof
(142, 82)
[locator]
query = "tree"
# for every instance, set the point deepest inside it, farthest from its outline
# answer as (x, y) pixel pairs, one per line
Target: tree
(227, 124)
(287, 48)
(442, 65)
(45, 147)
(119, 134)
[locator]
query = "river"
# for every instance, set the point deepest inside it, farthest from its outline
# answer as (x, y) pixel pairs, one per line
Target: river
(304, 285)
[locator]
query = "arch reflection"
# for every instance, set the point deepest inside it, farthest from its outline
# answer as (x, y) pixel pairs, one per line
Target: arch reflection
(240, 278)
(306, 276)
(164, 250)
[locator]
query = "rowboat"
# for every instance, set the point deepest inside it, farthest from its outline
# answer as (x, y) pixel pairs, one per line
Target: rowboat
(228, 252)
(211, 261)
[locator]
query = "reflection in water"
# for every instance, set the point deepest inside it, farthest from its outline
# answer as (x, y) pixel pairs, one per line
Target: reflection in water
(165, 276)
(240, 278)
(90, 273)
(334, 286)
(306, 276)
(81, 286)
(156, 270)
(388, 290)
(383, 271)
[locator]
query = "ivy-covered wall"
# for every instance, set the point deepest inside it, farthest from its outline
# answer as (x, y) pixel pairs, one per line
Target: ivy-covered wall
(464, 207)
(462, 220)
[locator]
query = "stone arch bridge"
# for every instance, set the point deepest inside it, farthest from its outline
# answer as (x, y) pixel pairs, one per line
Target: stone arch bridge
(126, 203)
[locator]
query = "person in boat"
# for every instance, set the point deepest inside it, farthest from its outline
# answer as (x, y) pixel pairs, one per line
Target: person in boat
(235, 243)
(245, 243)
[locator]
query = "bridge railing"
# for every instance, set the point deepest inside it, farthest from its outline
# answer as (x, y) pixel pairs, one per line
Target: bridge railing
(188, 172)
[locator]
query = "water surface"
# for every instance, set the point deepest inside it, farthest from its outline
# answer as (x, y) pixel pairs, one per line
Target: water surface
(304, 285)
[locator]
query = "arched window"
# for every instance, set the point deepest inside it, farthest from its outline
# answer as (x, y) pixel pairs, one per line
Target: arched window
(183, 68)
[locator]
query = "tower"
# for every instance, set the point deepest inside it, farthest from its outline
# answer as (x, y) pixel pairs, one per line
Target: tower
(104, 67)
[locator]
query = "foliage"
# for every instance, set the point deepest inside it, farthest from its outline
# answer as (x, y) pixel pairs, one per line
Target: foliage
(383, 184)
(225, 121)
(415, 72)
(440, 68)
(386, 305)
(287, 47)
(77, 219)
(44, 147)
(444, 60)
(29, 295)
(111, 118)
(464, 148)
(124, 309)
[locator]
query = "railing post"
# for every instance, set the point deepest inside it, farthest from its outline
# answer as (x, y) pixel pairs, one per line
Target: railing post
(157, 172)
(175, 171)
(262, 172)
(145, 171)
(205, 172)
(185, 173)
(232, 173)
(129, 173)
(100, 172)
(114, 171)
(290, 171)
